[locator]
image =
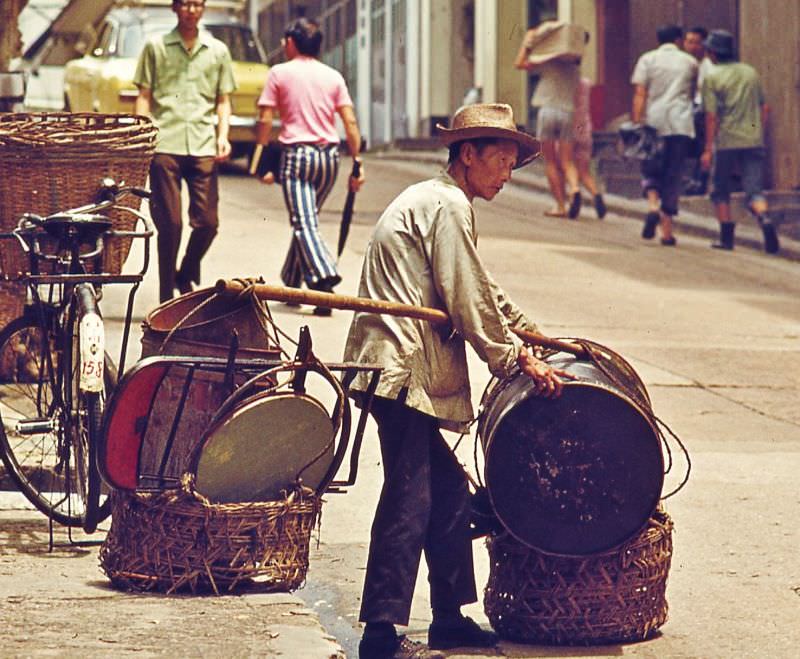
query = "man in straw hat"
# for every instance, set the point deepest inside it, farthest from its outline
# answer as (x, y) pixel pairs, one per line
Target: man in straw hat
(423, 252)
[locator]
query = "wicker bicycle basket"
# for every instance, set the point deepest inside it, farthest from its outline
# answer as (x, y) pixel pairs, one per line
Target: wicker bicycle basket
(617, 596)
(177, 541)
(53, 161)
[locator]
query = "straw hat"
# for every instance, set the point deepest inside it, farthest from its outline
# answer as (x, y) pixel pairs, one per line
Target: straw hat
(489, 120)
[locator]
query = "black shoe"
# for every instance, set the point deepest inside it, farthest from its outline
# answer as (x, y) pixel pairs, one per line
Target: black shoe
(574, 206)
(322, 311)
(462, 633)
(600, 206)
(771, 244)
(669, 242)
(183, 285)
(323, 286)
(726, 246)
(651, 221)
(399, 647)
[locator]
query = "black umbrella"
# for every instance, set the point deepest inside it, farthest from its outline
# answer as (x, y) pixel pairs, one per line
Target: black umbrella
(347, 213)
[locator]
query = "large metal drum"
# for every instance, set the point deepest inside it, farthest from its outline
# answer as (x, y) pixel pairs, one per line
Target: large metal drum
(579, 474)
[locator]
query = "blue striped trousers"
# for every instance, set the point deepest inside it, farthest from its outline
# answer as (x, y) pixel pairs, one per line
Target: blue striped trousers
(308, 173)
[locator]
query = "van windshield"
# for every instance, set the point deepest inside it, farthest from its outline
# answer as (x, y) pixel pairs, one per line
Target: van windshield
(238, 38)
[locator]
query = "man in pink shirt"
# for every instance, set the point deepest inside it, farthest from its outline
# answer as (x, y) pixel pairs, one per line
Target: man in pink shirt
(307, 95)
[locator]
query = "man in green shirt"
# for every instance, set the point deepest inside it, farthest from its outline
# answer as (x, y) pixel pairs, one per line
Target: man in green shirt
(184, 80)
(735, 115)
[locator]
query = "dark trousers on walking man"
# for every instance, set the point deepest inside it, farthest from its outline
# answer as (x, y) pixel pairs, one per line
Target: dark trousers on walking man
(167, 172)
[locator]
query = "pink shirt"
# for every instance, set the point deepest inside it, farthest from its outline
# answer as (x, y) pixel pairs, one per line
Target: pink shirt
(307, 94)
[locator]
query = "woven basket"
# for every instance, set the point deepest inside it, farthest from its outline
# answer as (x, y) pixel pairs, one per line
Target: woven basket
(54, 161)
(617, 596)
(12, 301)
(177, 541)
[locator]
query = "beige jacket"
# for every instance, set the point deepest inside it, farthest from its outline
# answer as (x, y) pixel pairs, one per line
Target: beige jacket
(423, 252)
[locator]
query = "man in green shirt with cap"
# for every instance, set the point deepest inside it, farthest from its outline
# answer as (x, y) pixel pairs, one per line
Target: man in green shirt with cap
(184, 80)
(735, 114)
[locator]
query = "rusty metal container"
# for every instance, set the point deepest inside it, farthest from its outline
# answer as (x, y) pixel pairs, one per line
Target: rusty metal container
(199, 324)
(580, 474)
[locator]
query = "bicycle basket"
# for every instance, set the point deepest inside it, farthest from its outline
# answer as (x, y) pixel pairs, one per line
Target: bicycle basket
(52, 161)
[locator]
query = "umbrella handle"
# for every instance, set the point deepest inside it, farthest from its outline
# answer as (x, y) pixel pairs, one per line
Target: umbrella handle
(352, 303)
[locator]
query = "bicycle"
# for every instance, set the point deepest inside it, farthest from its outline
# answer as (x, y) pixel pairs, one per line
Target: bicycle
(54, 371)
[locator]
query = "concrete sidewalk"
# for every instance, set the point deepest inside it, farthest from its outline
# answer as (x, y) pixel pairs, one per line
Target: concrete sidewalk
(59, 603)
(696, 216)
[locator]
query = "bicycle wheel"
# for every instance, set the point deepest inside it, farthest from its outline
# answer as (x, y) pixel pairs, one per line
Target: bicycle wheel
(85, 422)
(32, 432)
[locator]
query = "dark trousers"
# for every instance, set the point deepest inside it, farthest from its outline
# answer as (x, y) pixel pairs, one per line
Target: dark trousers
(424, 505)
(166, 173)
(667, 176)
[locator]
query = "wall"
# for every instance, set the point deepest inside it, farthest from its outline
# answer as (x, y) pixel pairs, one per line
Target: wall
(511, 83)
(770, 44)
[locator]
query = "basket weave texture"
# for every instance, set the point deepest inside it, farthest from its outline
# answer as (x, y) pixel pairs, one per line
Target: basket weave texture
(12, 301)
(616, 596)
(177, 541)
(53, 161)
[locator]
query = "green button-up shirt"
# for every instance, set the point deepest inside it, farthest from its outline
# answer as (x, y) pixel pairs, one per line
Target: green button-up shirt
(185, 87)
(732, 91)
(424, 252)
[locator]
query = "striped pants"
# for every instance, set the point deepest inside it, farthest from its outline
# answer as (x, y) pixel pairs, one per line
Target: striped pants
(308, 173)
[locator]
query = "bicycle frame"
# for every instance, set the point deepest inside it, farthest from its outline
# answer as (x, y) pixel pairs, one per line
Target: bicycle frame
(69, 383)
(78, 281)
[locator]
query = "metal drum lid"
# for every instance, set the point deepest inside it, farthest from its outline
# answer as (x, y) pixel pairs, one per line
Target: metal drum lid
(574, 476)
(258, 448)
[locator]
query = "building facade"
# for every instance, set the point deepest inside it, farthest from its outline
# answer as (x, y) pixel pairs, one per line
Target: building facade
(411, 63)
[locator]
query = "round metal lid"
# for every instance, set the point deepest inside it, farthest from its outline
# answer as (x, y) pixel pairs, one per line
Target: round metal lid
(258, 448)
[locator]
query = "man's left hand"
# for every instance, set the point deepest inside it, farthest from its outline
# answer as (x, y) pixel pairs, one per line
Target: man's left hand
(223, 149)
(548, 380)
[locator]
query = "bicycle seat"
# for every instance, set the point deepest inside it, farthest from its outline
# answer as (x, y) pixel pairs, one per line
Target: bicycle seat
(80, 226)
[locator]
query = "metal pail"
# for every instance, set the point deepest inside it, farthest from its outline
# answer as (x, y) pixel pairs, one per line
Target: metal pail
(579, 474)
(201, 323)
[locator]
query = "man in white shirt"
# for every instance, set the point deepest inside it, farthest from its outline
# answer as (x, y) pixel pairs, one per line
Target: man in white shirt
(664, 83)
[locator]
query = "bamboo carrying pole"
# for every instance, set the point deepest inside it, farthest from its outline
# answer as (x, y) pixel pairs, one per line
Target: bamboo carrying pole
(352, 303)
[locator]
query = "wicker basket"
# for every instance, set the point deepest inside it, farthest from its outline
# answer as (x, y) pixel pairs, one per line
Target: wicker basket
(12, 301)
(177, 541)
(613, 597)
(55, 161)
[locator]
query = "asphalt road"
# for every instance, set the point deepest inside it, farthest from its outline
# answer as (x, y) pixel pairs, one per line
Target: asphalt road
(715, 336)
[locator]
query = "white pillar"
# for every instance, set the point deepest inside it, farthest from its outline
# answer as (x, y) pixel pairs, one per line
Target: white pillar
(388, 115)
(364, 75)
(565, 10)
(486, 48)
(424, 64)
(413, 73)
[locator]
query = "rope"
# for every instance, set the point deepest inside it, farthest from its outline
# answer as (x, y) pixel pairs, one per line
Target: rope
(634, 394)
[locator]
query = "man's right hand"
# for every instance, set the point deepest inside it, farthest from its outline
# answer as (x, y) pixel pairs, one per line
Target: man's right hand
(546, 378)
